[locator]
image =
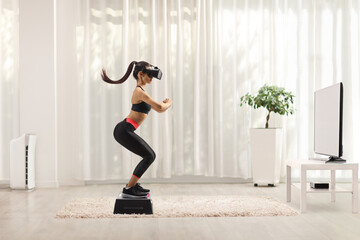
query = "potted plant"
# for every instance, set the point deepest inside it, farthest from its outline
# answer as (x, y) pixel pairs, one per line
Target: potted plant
(266, 145)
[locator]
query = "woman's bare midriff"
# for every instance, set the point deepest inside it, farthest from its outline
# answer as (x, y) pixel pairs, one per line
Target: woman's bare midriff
(137, 116)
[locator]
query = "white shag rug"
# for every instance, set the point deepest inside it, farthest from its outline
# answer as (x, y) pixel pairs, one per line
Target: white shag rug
(182, 206)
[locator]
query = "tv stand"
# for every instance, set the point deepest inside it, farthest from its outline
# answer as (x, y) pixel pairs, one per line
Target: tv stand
(335, 160)
(305, 165)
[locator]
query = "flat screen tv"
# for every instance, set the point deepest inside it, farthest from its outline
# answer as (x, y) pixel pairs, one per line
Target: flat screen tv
(328, 122)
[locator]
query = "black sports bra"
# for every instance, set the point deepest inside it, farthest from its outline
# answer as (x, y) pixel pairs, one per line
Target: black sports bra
(142, 107)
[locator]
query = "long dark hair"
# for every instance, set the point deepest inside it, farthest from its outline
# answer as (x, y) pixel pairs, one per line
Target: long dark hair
(139, 66)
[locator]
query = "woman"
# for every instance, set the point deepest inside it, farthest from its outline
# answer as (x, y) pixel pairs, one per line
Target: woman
(124, 131)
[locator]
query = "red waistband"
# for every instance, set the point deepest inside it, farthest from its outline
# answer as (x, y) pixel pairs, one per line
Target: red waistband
(132, 122)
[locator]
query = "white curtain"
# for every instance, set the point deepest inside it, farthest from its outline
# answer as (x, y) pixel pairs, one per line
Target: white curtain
(211, 53)
(9, 62)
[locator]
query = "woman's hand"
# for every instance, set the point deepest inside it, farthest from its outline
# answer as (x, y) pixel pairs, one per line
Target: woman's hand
(157, 106)
(167, 101)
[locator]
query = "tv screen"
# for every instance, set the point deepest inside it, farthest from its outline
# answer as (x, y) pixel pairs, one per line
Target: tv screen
(328, 116)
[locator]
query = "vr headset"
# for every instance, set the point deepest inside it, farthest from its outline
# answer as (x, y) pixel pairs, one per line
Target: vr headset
(153, 72)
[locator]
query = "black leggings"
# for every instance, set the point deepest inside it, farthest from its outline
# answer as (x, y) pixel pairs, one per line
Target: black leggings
(125, 135)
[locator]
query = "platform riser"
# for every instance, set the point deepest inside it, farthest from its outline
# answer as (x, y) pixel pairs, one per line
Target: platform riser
(133, 206)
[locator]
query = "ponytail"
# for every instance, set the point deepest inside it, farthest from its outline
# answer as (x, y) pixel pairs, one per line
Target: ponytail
(105, 77)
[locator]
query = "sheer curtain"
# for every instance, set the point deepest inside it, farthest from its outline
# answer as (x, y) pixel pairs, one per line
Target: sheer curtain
(211, 53)
(9, 40)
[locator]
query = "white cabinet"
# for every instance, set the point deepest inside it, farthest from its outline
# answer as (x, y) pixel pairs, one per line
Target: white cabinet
(305, 165)
(22, 162)
(266, 147)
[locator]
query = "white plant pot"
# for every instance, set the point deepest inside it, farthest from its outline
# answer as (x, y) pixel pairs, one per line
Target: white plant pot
(266, 144)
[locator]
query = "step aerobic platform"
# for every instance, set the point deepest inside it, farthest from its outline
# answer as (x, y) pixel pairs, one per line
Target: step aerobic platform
(124, 205)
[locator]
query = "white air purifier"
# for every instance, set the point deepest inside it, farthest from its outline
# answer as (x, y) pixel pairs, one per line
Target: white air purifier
(22, 162)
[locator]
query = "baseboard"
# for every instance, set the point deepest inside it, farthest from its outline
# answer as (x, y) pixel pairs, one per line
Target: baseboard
(188, 179)
(46, 184)
(5, 183)
(38, 184)
(71, 182)
(174, 180)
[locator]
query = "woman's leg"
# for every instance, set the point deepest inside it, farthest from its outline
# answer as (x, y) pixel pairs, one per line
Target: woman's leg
(142, 149)
(132, 182)
(134, 143)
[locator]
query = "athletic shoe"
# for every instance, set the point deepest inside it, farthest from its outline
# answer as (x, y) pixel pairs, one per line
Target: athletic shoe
(133, 192)
(141, 189)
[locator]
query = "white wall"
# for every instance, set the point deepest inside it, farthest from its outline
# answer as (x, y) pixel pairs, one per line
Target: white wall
(37, 96)
(48, 99)
(69, 164)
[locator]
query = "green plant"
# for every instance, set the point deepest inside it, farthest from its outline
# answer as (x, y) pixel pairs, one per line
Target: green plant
(274, 99)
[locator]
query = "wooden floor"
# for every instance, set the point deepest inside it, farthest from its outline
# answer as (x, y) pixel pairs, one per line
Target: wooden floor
(30, 215)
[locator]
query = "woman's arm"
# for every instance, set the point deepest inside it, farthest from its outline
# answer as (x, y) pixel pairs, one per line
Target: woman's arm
(157, 106)
(167, 103)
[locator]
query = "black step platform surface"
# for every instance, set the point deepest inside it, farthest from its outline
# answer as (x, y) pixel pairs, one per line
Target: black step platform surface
(133, 205)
